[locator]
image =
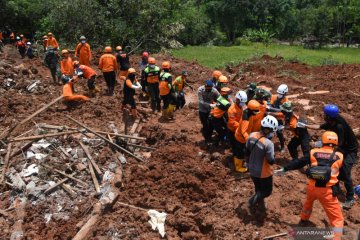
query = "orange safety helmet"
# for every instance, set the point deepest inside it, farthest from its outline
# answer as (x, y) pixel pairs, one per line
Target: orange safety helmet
(65, 51)
(329, 137)
(151, 60)
(254, 105)
(75, 63)
(108, 49)
(216, 74)
(118, 48)
(223, 79)
(131, 70)
(165, 65)
(225, 91)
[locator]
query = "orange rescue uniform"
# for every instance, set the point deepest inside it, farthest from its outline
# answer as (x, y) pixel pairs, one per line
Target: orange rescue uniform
(108, 63)
(325, 195)
(67, 66)
(52, 42)
(83, 52)
(69, 95)
(88, 72)
(246, 126)
(234, 116)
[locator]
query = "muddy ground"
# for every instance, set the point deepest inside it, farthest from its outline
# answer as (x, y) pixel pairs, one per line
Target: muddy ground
(190, 183)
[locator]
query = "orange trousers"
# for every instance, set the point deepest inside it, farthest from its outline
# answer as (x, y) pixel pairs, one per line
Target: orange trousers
(330, 204)
(76, 98)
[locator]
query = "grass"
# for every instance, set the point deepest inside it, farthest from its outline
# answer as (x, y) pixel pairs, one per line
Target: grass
(219, 56)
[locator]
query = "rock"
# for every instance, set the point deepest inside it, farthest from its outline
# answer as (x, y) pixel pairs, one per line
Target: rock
(215, 156)
(349, 107)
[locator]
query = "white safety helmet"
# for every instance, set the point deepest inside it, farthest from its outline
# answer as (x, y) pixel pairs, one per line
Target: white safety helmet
(282, 89)
(270, 122)
(28, 43)
(241, 95)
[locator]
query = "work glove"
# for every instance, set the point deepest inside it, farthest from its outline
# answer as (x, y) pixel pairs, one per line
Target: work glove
(280, 172)
(301, 125)
(280, 128)
(213, 105)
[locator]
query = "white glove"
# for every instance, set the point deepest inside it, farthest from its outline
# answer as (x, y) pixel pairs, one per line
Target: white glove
(213, 105)
(280, 172)
(280, 128)
(301, 125)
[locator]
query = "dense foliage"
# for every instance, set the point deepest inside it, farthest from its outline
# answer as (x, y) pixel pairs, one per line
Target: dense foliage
(172, 23)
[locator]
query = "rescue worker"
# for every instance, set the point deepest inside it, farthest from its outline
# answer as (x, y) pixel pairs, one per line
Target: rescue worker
(51, 41)
(325, 163)
(151, 76)
(131, 85)
(260, 98)
(66, 64)
(235, 113)
(89, 74)
(219, 116)
(245, 127)
(301, 136)
(44, 41)
(68, 93)
(251, 90)
(83, 52)
(12, 37)
(259, 156)
(28, 51)
(142, 65)
(52, 62)
(178, 85)
(108, 65)
(165, 88)
(222, 82)
(348, 145)
(207, 95)
(215, 78)
(123, 62)
(21, 46)
(275, 103)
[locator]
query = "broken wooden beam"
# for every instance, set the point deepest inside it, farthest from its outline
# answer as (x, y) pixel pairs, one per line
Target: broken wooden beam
(87, 153)
(64, 174)
(86, 230)
(43, 136)
(105, 139)
(59, 183)
(93, 176)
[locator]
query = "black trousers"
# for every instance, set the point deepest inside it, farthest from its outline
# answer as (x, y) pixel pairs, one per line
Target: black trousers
(232, 140)
(22, 51)
(91, 82)
(207, 128)
(263, 189)
(302, 140)
(345, 174)
(219, 124)
(180, 100)
(239, 149)
(166, 99)
(154, 92)
(110, 79)
(129, 99)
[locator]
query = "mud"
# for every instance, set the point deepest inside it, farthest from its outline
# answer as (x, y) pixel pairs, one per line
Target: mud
(193, 185)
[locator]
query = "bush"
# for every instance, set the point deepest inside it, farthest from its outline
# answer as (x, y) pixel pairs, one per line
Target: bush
(261, 35)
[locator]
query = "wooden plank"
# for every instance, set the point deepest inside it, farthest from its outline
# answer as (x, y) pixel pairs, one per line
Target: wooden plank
(105, 139)
(59, 183)
(87, 153)
(43, 136)
(66, 175)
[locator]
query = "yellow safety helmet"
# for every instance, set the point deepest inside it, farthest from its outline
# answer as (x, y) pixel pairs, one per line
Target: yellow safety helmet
(108, 49)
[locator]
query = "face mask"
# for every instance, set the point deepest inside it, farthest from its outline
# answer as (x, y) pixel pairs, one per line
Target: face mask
(152, 66)
(270, 136)
(83, 41)
(281, 96)
(241, 104)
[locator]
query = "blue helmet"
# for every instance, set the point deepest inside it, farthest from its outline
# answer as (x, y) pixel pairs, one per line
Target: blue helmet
(357, 190)
(331, 110)
(209, 83)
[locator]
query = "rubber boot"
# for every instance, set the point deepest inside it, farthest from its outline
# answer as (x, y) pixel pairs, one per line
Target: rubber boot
(134, 113)
(171, 109)
(239, 165)
(164, 114)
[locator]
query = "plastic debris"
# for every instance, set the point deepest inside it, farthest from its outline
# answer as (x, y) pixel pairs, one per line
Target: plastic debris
(157, 221)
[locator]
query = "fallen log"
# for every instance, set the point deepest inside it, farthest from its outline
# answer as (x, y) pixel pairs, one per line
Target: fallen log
(43, 136)
(87, 153)
(105, 139)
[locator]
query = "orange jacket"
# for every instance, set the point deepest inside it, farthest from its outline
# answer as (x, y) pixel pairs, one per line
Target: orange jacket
(234, 116)
(52, 42)
(165, 83)
(1, 35)
(318, 156)
(88, 72)
(108, 63)
(291, 124)
(246, 126)
(83, 52)
(67, 66)
(258, 117)
(68, 93)
(275, 103)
